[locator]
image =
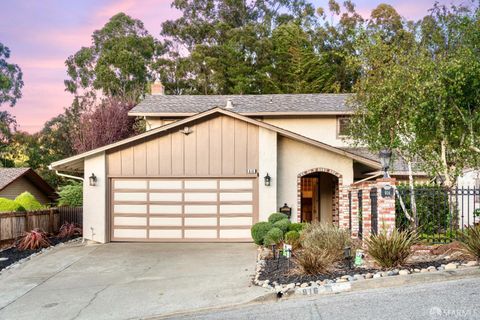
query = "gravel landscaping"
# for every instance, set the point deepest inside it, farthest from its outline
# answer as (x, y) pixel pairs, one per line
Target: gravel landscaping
(282, 275)
(11, 255)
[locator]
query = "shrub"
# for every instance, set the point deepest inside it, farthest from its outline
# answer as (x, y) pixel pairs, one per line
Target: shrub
(273, 236)
(29, 202)
(7, 205)
(470, 239)
(71, 195)
(259, 231)
(297, 226)
(33, 240)
(274, 217)
(391, 250)
(319, 237)
(69, 230)
(283, 225)
(292, 238)
(310, 262)
(322, 247)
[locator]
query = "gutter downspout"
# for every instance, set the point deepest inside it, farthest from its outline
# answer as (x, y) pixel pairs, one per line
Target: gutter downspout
(66, 175)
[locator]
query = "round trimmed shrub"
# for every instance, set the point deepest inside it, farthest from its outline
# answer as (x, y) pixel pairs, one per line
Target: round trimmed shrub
(7, 205)
(283, 225)
(28, 201)
(292, 237)
(274, 217)
(273, 236)
(259, 231)
(296, 226)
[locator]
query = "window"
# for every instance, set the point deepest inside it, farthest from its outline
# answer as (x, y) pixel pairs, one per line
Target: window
(342, 126)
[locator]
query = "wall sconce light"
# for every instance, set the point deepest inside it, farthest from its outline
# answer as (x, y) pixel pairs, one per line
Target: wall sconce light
(268, 180)
(93, 180)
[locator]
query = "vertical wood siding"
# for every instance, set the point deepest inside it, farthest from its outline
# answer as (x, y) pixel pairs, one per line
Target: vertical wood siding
(221, 146)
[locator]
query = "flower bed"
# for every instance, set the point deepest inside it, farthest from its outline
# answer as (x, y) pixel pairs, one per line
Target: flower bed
(282, 274)
(12, 254)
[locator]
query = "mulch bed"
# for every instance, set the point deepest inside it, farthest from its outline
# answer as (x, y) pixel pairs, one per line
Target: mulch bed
(15, 255)
(282, 271)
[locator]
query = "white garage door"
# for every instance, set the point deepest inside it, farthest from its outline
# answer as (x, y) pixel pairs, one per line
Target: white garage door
(182, 209)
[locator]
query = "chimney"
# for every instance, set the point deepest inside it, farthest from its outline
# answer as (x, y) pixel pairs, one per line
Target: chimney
(229, 104)
(157, 88)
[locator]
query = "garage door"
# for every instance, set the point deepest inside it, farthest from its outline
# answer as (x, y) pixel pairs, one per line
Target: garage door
(182, 209)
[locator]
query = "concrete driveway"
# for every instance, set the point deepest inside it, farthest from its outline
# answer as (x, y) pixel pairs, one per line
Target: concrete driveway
(128, 281)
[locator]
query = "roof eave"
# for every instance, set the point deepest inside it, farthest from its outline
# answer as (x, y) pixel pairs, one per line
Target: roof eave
(248, 114)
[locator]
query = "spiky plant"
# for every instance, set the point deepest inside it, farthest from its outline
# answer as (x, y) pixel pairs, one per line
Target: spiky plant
(33, 240)
(470, 240)
(391, 250)
(69, 230)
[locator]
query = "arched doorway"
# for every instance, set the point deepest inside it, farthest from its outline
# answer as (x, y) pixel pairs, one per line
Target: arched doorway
(318, 195)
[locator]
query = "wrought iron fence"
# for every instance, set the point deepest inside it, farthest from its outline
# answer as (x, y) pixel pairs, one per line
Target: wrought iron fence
(440, 213)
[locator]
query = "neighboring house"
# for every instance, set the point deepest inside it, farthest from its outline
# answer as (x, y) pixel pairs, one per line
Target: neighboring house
(211, 166)
(14, 181)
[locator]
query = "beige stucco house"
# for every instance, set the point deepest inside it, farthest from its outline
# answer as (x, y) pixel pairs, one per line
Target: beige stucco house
(209, 167)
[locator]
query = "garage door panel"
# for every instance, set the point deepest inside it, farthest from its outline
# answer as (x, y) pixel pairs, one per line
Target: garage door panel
(165, 197)
(182, 209)
(130, 233)
(165, 234)
(130, 208)
(165, 222)
(155, 208)
(201, 221)
(130, 221)
(201, 234)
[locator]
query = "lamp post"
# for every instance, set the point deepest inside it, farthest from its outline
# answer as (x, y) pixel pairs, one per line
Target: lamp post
(385, 157)
(268, 180)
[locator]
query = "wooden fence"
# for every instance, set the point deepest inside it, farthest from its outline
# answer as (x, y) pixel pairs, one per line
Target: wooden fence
(13, 224)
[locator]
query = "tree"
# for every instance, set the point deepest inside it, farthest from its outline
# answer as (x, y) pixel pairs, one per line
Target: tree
(103, 124)
(419, 91)
(118, 63)
(11, 78)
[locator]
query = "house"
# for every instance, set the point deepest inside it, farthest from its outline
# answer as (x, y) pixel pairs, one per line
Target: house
(15, 181)
(208, 167)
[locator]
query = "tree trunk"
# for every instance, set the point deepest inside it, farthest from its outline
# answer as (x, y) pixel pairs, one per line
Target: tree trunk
(412, 195)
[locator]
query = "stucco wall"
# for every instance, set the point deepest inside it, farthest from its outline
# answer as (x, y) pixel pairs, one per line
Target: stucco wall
(94, 199)
(295, 157)
(322, 129)
(267, 202)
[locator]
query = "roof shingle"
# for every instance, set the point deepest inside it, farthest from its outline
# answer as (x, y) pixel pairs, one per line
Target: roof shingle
(246, 104)
(8, 175)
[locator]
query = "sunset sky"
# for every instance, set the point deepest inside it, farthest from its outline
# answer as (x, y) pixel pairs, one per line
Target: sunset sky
(42, 34)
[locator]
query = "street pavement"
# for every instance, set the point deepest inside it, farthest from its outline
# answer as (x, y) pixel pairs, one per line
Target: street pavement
(455, 299)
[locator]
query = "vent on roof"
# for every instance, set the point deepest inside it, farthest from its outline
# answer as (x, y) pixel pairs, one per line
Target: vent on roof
(229, 104)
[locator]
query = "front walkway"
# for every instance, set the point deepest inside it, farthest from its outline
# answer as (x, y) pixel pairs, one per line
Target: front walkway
(127, 280)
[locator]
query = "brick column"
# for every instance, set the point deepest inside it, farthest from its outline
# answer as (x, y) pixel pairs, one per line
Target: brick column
(344, 207)
(386, 206)
(366, 210)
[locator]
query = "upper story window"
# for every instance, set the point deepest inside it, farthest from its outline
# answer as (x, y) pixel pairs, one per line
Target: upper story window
(343, 126)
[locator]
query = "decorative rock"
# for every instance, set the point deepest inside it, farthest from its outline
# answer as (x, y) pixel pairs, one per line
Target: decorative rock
(441, 268)
(390, 273)
(298, 284)
(319, 282)
(451, 266)
(423, 270)
(329, 281)
(395, 272)
(290, 286)
(468, 264)
(385, 274)
(358, 276)
(417, 270)
(267, 281)
(404, 272)
(377, 275)
(431, 269)
(3, 259)
(369, 276)
(341, 280)
(346, 277)
(304, 285)
(265, 285)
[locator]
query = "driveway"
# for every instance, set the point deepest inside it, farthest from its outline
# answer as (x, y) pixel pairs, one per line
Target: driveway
(128, 281)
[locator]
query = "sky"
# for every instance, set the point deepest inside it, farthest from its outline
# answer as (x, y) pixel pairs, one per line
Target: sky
(43, 34)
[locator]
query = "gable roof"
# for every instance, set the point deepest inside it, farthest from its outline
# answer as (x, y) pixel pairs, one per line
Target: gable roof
(10, 175)
(75, 163)
(261, 104)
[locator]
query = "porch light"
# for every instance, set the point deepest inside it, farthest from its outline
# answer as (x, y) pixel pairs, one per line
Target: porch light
(268, 180)
(93, 180)
(385, 157)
